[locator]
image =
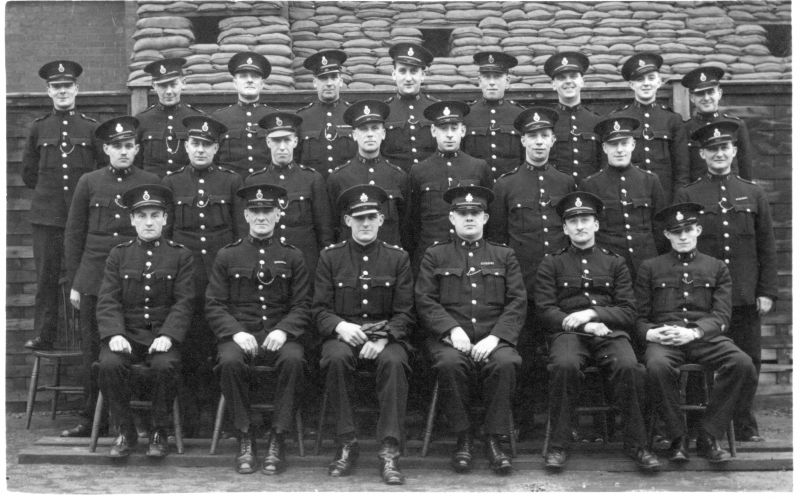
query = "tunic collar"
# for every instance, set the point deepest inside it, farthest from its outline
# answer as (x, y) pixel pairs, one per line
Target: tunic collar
(363, 249)
(644, 106)
(537, 168)
(707, 117)
(120, 172)
(168, 109)
(581, 251)
(718, 177)
(685, 256)
(371, 161)
(448, 154)
(259, 242)
(469, 244)
(148, 244)
(61, 113)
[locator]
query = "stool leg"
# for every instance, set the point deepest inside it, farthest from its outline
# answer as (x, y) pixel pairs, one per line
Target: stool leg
(318, 441)
(98, 410)
(512, 437)
(32, 391)
(56, 392)
(731, 439)
(298, 422)
(547, 431)
(426, 437)
(176, 418)
(217, 425)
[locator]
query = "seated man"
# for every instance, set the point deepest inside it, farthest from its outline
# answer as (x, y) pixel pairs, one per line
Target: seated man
(143, 311)
(684, 312)
(585, 303)
(471, 302)
(257, 304)
(363, 308)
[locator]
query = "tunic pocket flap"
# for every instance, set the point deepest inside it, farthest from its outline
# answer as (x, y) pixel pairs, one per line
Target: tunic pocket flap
(448, 271)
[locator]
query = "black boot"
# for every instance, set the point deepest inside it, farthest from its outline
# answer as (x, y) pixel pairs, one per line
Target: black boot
(246, 459)
(389, 456)
(677, 451)
(275, 460)
(159, 447)
(499, 462)
(125, 442)
(345, 458)
(462, 456)
(709, 447)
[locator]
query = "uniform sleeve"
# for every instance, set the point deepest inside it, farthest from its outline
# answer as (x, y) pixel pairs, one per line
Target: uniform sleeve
(323, 225)
(644, 301)
(509, 324)
(76, 229)
(498, 216)
(222, 323)
(432, 314)
(110, 314)
(718, 320)
(297, 321)
(322, 305)
(546, 296)
(402, 319)
(30, 158)
(744, 153)
(176, 324)
(679, 151)
(622, 314)
(767, 284)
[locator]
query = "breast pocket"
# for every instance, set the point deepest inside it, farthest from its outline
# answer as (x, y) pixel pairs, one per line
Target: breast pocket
(298, 209)
(277, 284)
(185, 213)
(744, 216)
(218, 211)
(48, 149)
(702, 290)
(587, 152)
(391, 208)
(346, 295)
(660, 144)
(640, 213)
(449, 284)
(241, 285)
(132, 286)
(163, 283)
(153, 144)
(523, 216)
(381, 298)
(494, 279)
(666, 294)
(106, 216)
(432, 204)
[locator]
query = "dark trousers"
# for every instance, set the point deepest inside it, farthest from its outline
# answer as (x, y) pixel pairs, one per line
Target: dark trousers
(48, 253)
(745, 331)
(116, 384)
(569, 354)
(338, 363)
(497, 378)
(234, 367)
(200, 390)
(90, 348)
(735, 378)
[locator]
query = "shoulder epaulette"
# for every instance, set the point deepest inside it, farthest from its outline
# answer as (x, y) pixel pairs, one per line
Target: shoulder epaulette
(396, 167)
(125, 244)
(148, 108)
(336, 169)
(638, 167)
(470, 103)
(195, 108)
(89, 118)
(610, 252)
(620, 109)
(388, 99)
(40, 118)
(223, 109)
(695, 181)
(175, 244)
(225, 169)
(262, 169)
(666, 108)
(307, 106)
(732, 117)
(304, 167)
(516, 169)
(346, 104)
(432, 98)
(173, 172)
(437, 243)
(495, 243)
(746, 180)
(560, 251)
(283, 242)
(234, 243)
(393, 247)
(593, 175)
(335, 245)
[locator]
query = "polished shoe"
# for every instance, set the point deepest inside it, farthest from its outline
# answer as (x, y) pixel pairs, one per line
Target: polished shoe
(389, 456)
(677, 451)
(159, 446)
(275, 460)
(499, 462)
(644, 460)
(709, 447)
(555, 458)
(345, 459)
(752, 438)
(246, 459)
(462, 456)
(123, 445)
(39, 344)
(81, 430)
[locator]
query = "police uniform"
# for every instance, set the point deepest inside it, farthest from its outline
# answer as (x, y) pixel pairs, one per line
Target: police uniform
(631, 197)
(576, 279)
(365, 284)
(661, 142)
(737, 229)
(698, 81)
(326, 139)
(60, 148)
(97, 222)
(161, 134)
(476, 286)
(374, 172)
(243, 147)
(691, 290)
(146, 293)
(408, 135)
(306, 217)
(577, 151)
(258, 285)
(491, 135)
(428, 212)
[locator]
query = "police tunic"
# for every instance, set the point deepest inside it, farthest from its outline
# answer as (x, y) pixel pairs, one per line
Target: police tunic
(743, 161)
(161, 137)
(375, 172)
(577, 151)
(408, 134)
(243, 148)
(631, 198)
(325, 139)
(491, 135)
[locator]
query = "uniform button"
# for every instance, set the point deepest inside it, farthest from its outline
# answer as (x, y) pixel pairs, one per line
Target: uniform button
(627, 226)
(546, 243)
(263, 318)
(328, 114)
(722, 188)
(250, 158)
(584, 261)
(66, 188)
(471, 269)
(203, 251)
(727, 261)
(474, 320)
(726, 235)
(413, 138)
(202, 226)
(727, 249)
(260, 287)
(724, 223)
(585, 271)
(64, 165)
(116, 234)
(365, 301)
(283, 226)
(146, 316)
(575, 150)
(202, 215)
(365, 286)
(594, 302)
(329, 147)
(494, 157)
(149, 252)
(629, 237)
(147, 276)
(261, 251)
(66, 177)
(545, 229)
(365, 258)
(647, 148)
(630, 250)
(685, 294)
(263, 306)
(647, 115)
(413, 150)
(625, 215)
(261, 299)
(330, 158)
(474, 301)
(449, 164)
(282, 177)
(371, 183)
(371, 170)
(474, 285)
(412, 127)
(147, 288)
(647, 160)
(470, 254)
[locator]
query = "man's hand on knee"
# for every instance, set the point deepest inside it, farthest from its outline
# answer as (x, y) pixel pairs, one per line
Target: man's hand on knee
(118, 343)
(350, 333)
(371, 349)
(460, 340)
(160, 344)
(246, 342)
(481, 350)
(274, 340)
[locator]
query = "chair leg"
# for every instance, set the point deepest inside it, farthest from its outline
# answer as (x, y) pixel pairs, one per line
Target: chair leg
(217, 425)
(426, 437)
(731, 439)
(298, 422)
(98, 411)
(34, 387)
(176, 418)
(56, 392)
(323, 409)
(547, 431)
(512, 437)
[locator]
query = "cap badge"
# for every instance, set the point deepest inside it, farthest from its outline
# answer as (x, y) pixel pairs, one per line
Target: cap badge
(446, 111)
(278, 121)
(616, 126)
(536, 117)
(491, 59)
(468, 198)
(717, 132)
(578, 202)
(678, 216)
(204, 128)
(364, 198)
(60, 68)
(641, 63)
(367, 111)
(259, 195)
(146, 196)
(119, 128)
(249, 60)
(703, 77)
(324, 61)
(411, 51)
(162, 69)
(565, 61)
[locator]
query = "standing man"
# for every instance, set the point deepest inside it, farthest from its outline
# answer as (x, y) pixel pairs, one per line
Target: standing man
(61, 147)
(161, 134)
(577, 151)
(363, 309)
(684, 304)
(631, 196)
(490, 124)
(257, 304)
(737, 229)
(307, 222)
(585, 302)
(705, 93)
(661, 143)
(407, 140)
(97, 222)
(143, 313)
(369, 167)
(429, 221)
(326, 141)
(471, 304)
(243, 148)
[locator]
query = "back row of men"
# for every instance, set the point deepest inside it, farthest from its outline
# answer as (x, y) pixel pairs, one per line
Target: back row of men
(411, 147)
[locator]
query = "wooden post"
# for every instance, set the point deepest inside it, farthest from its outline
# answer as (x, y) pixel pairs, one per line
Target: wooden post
(138, 99)
(680, 100)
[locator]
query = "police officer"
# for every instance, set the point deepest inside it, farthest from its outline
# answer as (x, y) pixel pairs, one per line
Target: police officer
(143, 313)
(684, 307)
(577, 152)
(585, 302)
(407, 139)
(705, 93)
(257, 304)
(97, 222)
(161, 134)
(307, 220)
(661, 143)
(490, 124)
(326, 141)
(363, 310)
(61, 147)
(471, 303)
(242, 148)
(631, 196)
(737, 229)
(448, 167)
(367, 118)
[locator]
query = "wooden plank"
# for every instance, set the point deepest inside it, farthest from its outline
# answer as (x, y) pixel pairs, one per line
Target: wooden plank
(22, 300)
(19, 252)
